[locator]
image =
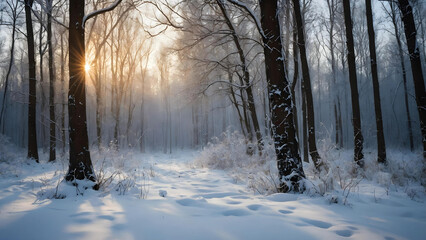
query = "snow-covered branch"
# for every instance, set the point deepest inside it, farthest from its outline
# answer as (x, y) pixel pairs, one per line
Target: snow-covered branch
(100, 11)
(252, 15)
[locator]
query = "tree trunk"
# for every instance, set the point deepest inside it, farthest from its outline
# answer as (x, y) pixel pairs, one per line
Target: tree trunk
(52, 152)
(356, 118)
(304, 125)
(32, 132)
(63, 98)
(306, 81)
(294, 83)
(416, 65)
(80, 165)
(12, 52)
(42, 93)
(235, 103)
(381, 148)
(246, 75)
(393, 16)
(286, 146)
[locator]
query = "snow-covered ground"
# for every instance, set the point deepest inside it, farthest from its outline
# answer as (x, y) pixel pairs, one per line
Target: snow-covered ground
(158, 196)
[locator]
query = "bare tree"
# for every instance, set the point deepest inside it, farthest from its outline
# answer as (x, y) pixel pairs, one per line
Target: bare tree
(306, 81)
(392, 13)
(32, 133)
(381, 147)
(356, 118)
(416, 65)
(14, 13)
(52, 151)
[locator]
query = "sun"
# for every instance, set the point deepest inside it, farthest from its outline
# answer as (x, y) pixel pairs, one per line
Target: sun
(87, 67)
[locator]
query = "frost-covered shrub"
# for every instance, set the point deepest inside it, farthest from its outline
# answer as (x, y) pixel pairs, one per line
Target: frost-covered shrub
(11, 157)
(230, 153)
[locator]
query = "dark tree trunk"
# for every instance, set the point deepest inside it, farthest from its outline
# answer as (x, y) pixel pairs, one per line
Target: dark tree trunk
(32, 132)
(336, 98)
(12, 52)
(381, 148)
(286, 146)
(52, 152)
(416, 65)
(304, 125)
(235, 103)
(80, 165)
(294, 83)
(356, 118)
(63, 96)
(393, 16)
(306, 81)
(246, 75)
(42, 51)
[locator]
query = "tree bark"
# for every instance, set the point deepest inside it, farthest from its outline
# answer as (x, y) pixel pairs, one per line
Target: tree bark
(356, 118)
(381, 147)
(416, 65)
(52, 150)
(306, 81)
(63, 96)
(294, 83)
(286, 146)
(80, 165)
(32, 132)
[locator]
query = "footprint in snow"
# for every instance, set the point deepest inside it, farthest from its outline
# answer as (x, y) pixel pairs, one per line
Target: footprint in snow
(240, 197)
(254, 207)
(235, 212)
(80, 214)
(285, 211)
(317, 223)
(218, 195)
(118, 227)
(233, 202)
(82, 220)
(204, 190)
(189, 202)
(107, 217)
(344, 233)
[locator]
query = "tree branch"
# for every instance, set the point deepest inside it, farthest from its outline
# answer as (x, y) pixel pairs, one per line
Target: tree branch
(100, 11)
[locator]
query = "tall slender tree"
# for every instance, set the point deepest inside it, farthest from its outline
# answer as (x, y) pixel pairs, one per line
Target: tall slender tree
(356, 116)
(14, 13)
(306, 81)
(416, 64)
(393, 15)
(32, 132)
(245, 75)
(52, 147)
(381, 147)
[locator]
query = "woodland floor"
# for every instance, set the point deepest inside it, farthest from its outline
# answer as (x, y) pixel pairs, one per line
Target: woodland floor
(168, 198)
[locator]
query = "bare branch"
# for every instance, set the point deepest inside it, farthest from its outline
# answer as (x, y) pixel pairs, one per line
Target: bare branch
(100, 11)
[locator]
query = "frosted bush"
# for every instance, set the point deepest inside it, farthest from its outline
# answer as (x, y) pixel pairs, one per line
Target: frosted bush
(231, 153)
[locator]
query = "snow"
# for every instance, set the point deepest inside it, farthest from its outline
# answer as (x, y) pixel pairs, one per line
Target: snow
(159, 196)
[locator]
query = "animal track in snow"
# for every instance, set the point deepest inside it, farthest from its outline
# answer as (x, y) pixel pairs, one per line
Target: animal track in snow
(344, 233)
(285, 211)
(235, 212)
(233, 202)
(189, 202)
(317, 223)
(254, 207)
